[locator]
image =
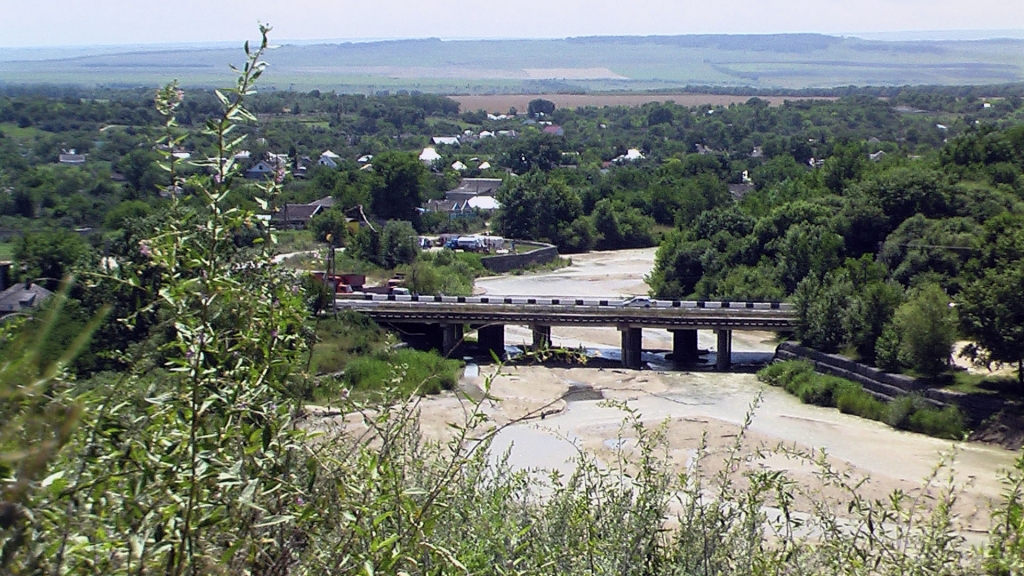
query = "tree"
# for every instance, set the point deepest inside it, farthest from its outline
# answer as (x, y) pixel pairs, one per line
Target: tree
(536, 207)
(820, 305)
(393, 245)
(49, 256)
(991, 304)
(535, 151)
(678, 266)
(991, 310)
(921, 333)
(399, 186)
(540, 106)
(141, 172)
(331, 222)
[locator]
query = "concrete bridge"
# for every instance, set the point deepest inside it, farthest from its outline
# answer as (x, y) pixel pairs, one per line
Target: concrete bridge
(489, 315)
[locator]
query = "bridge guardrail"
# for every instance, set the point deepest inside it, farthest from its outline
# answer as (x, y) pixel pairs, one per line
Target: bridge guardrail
(583, 302)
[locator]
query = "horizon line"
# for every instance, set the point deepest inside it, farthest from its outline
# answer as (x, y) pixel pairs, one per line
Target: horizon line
(965, 35)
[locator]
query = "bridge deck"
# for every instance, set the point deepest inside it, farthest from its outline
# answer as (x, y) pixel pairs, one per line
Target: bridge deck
(668, 314)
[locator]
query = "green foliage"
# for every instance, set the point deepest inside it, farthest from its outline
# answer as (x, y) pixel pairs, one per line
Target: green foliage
(330, 223)
(922, 334)
(820, 307)
(546, 209)
(388, 247)
(399, 185)
(47, 257)
(342, 338)
(405, 371)
(540, 106)
(908, 412)
(445, 272)
(991, 305)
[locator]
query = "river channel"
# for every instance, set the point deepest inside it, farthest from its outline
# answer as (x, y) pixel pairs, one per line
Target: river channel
(695, 404)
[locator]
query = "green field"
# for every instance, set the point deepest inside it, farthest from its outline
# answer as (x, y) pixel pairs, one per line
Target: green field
(787, 61)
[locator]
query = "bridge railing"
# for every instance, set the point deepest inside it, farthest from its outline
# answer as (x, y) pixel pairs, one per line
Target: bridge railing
(572, 302)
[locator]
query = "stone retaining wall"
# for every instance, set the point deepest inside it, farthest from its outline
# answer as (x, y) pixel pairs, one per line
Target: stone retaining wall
(886, 386)
(507, 262)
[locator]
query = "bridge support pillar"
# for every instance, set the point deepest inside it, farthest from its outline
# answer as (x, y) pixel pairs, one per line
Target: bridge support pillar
(492, 338)
(632, 347)
(451, 336)
(541, 336)
(684, 346)
(724, 360)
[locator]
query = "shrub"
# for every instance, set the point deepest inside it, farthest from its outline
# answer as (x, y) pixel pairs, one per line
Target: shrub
(407, 370)
(909, 412)
(855, 400)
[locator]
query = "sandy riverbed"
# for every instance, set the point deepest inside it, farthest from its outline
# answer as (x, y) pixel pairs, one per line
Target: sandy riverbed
(711, 407)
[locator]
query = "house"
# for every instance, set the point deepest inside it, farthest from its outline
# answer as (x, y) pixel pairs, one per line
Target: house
(631, 155)
(364, 158)
(324, 203)
(268, 167)
(71, 157)
(473, 187)
(554, 130)
(459, 166)
(261, 169)
(295, 216)
(429, 156)
(22, 296)
(740, 190)
(876, 156)
(445, 140)
(484, 165)
(483, 204)
(329, 159)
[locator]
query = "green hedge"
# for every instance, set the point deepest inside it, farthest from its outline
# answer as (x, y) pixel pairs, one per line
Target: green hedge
(909, 412)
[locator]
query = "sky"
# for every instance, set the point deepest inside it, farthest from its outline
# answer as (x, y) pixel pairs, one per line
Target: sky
(46, 23)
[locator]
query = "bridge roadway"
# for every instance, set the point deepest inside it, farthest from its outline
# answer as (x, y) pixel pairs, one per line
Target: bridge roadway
(490, 315)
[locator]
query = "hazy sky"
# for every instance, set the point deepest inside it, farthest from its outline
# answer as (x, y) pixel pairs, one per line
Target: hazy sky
(82, 22)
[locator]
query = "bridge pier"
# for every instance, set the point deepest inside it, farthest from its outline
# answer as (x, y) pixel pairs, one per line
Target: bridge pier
(684, 346)
(541, 336)
(632, 347)
(724, 360)
(492, 338)
(451, 336)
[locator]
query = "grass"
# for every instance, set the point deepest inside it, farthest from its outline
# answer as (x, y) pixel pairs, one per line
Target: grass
(353, 353)
(343, 338)
(405, 370)
(295, 241)
(973, 383)
(557, 263)
(910, 412)
(6, 250)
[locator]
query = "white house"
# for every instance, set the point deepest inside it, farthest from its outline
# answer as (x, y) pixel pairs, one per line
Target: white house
(429, 156)
(458, 165)
(445, 140)
(329, 159)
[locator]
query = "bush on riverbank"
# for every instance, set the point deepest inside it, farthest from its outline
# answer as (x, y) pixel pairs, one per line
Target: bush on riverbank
(909, 412)
(406, 371)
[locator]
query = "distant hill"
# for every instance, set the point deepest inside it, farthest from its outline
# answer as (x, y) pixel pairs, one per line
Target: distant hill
(599, 63)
